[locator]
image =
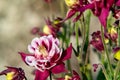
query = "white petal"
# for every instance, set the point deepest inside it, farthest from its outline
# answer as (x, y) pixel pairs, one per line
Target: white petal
(30, 60)
(52, 51)
(34, 42)
(30, 49)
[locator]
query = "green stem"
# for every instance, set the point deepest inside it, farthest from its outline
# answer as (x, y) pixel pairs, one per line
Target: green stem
(104, 72)
(117, 70)
(69, 66)
(77, 36)
(119, 36)
(106, 51)
(50, 75)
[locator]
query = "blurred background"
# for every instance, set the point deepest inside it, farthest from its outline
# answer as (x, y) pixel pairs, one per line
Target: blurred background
(17, 18)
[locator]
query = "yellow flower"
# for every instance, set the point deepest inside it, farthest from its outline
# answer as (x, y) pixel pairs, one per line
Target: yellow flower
(117, 55)
(71, 3)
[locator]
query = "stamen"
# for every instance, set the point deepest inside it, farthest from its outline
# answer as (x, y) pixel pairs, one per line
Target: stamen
(43, 51)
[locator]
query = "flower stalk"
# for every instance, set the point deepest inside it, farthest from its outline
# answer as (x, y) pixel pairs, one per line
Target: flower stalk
(117, 70)
(106, 51)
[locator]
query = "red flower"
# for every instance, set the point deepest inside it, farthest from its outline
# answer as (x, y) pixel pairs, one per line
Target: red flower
(13, 73)
(46, 56)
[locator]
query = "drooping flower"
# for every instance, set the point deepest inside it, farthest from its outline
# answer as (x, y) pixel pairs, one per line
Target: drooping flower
(116, 52)
(74, 77)
(76, 6)
(95, 67)
(52, 27)
(100, 8)
(46, 56)
(97, 41)
(13, 73)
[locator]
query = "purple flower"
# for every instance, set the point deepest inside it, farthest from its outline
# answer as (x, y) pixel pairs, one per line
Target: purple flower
(46, 56)
(100, 8)
(97, 41)
(13, 73)
(52, 27)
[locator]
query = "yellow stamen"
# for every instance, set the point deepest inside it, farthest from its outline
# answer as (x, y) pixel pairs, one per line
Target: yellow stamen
(71, 3)
(112, 31)
(46, 30)
(67, 77)
(9, 76)
(43, 51)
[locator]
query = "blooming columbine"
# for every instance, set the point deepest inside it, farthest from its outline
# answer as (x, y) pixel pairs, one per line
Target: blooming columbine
(13, 73)
(46, 56)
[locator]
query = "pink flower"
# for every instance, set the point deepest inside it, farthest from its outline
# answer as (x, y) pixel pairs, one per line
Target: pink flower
(13, 73)
(46, 56)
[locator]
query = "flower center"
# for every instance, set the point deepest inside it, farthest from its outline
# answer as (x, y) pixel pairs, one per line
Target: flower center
(71, 3)
(43, 51)
(10, 76)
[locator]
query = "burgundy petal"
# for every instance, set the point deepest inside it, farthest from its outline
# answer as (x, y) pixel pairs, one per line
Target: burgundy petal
(67, 53)
(60, 79)
(118, 3)
(70, 13)
(23, 55)
(77, 18)
(103, 16)
(41, 75)
(88, 6)
(58, 68)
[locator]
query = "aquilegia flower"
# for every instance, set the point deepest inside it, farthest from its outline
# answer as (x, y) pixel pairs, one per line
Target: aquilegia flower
(100, 8)
(97, 41)
(13, 73)
(52, 27)
(112, 34)
(46, 56)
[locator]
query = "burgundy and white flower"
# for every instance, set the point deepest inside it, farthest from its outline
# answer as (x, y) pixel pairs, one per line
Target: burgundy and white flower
(46, 56)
